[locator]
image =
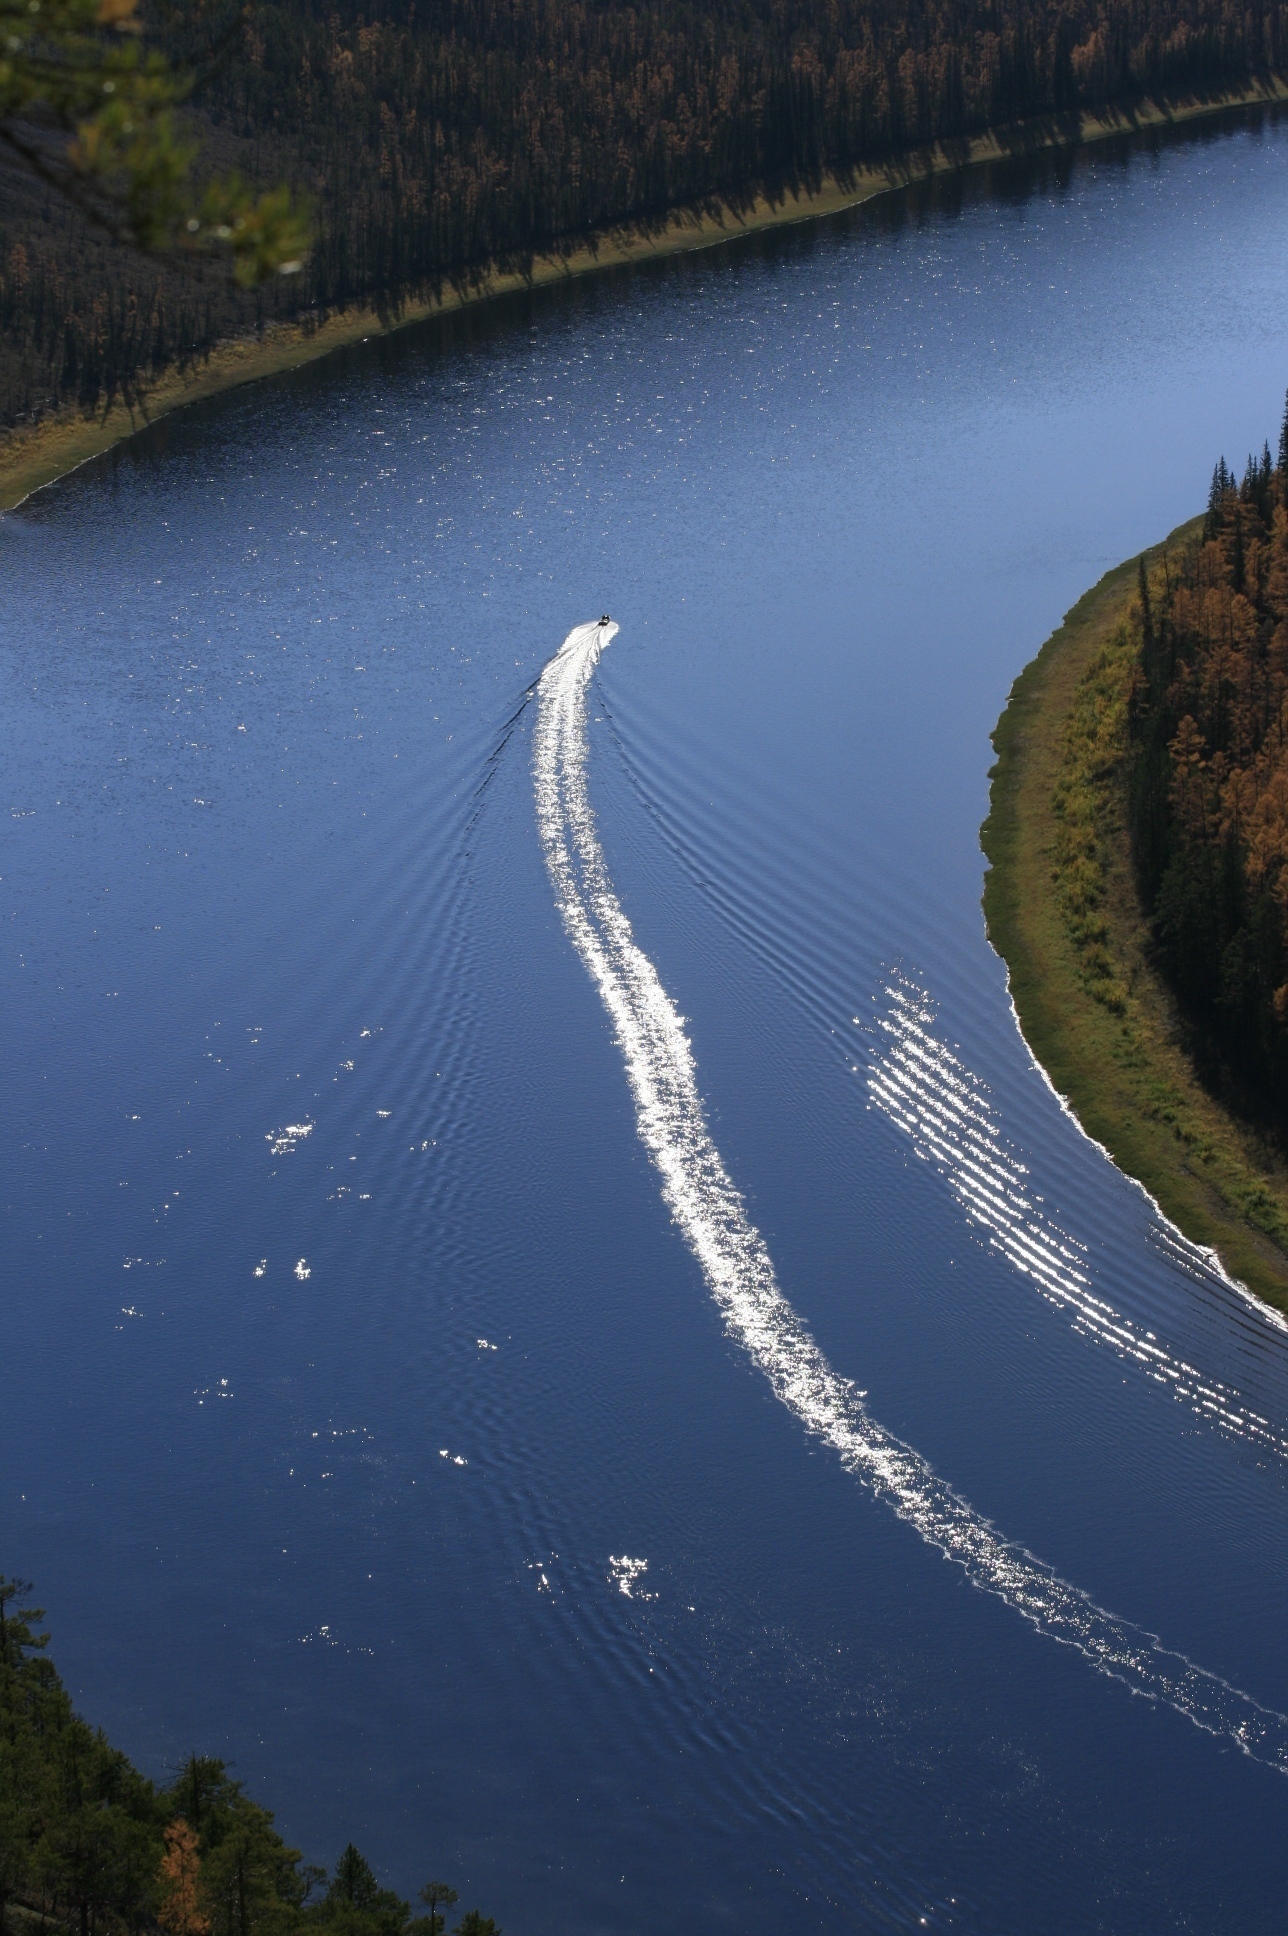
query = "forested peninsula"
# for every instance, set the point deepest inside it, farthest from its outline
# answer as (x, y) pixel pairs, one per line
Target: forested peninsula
(448, 147)
(91, 1847)
(1138, 887)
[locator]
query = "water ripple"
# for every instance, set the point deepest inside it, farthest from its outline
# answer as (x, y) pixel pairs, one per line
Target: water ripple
(739, 1272)
(944, 1109)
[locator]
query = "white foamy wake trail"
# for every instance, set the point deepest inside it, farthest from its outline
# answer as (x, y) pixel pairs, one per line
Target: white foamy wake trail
(740, 1274)
(926, 1091)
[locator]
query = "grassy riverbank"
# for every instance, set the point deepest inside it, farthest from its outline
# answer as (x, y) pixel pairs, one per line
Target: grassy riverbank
(34, 457)
(1062, 911)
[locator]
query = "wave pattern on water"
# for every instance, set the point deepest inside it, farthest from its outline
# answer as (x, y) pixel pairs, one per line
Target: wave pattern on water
(739, 1272)
(944, 1109)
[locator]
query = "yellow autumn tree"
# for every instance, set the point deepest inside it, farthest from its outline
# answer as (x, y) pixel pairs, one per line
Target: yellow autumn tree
(180, 1872)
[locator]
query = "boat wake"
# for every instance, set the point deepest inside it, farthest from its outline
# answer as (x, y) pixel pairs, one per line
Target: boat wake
(944, 1109)
(739, 1272)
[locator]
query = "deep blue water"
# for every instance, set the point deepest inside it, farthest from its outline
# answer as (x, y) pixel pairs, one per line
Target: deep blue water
(271, 864)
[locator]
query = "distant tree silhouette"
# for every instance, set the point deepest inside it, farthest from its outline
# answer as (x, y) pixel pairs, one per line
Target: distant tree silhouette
(436, 1896)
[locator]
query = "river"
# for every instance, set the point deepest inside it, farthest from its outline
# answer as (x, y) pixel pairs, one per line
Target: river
(550, 1317)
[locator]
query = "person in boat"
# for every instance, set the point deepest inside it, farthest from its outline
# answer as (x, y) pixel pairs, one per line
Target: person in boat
(604, 619)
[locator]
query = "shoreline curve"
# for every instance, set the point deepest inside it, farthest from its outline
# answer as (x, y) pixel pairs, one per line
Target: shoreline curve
(32, 458)
(1095, 1015)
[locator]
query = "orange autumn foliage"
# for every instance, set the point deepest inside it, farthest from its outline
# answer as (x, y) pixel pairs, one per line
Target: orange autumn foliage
(180, 1911)
(1209, 782)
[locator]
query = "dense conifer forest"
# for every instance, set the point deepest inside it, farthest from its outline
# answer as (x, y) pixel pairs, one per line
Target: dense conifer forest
(90, 1847)
(437, 135)
(1209, 783)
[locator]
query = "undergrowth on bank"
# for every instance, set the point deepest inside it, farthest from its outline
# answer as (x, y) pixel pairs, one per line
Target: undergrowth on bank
(1088, 859)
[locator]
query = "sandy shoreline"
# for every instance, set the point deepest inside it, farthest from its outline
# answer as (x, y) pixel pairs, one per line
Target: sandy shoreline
(32, 458)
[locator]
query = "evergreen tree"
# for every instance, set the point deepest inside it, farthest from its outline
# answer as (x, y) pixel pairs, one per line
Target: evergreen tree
(97, 1850)
(250, 1878)
(204, 1793)
(1208, 786)
(356, 1905)
(1216, 498)
(437, 1896)
(354, 1881)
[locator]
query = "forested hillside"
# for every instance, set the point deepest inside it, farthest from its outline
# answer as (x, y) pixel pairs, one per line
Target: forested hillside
(435, 135)
(1209, 788)
(90, 1846)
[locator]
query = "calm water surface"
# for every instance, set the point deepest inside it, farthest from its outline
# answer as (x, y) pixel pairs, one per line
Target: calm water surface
(366, 1419)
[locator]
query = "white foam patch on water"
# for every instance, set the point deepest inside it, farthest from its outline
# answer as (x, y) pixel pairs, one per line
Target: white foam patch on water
(740, 1274)
(626, 1573)
(944, 1109)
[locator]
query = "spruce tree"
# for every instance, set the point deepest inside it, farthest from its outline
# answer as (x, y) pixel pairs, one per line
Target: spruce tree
(354, 1880)
(1216, 494)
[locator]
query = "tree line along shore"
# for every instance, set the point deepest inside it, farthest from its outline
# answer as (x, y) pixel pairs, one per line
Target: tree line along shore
(91, 1847)
(263, 336)
(447, 145)
(1138, 886)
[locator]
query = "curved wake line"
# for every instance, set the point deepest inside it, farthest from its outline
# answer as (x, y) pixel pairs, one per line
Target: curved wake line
(740, 1273)
(943, 1108)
